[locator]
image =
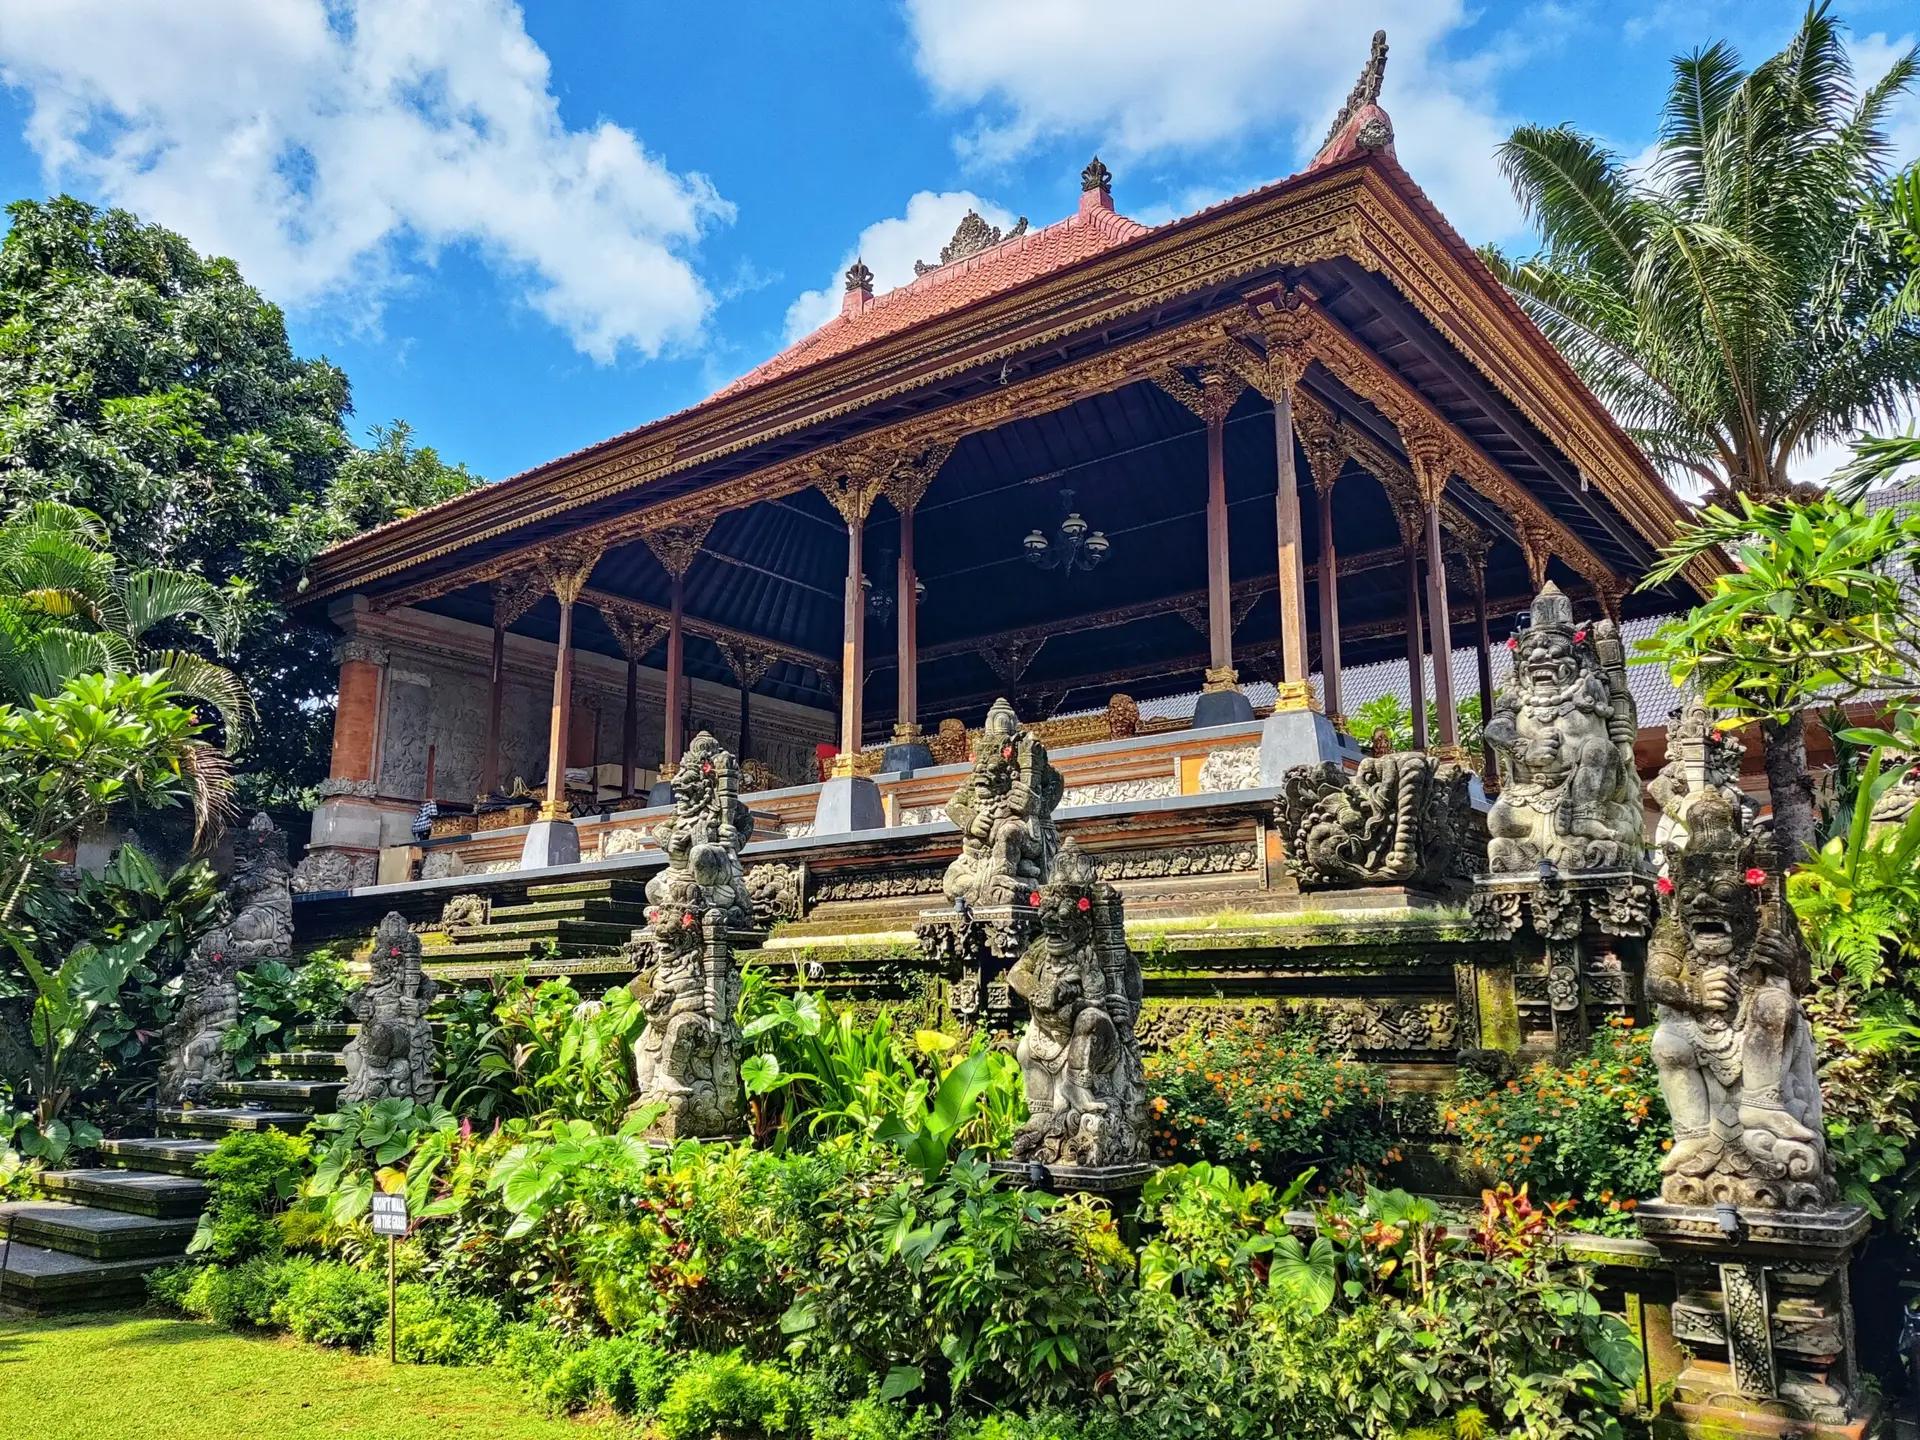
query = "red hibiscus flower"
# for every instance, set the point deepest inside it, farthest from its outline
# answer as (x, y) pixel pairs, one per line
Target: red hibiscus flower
(1663, 885)
(1756, 876)
(1034, 898)
(1579, 635)
(686, 921)
(1512, 644)
(1006, 752)
(1085, 903)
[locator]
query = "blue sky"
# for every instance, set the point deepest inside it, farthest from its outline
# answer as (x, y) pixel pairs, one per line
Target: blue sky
(526, 228)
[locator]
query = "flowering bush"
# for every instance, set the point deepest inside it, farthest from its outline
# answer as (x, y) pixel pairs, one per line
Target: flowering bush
(1592, 1132)
(1268, 1102)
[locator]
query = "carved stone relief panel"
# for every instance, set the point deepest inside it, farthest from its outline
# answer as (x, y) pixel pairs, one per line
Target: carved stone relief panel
(524, 714)
(1230, 770)
(1120, 792)
(458, 732)
(403, 747)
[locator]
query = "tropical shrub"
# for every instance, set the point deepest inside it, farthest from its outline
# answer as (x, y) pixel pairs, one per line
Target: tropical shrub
(434, 1327)
(358, 1148)
(1383, 1320)
(964, 1289)
(726, 1396)
(274, 998)
(1592, 1131)
(251, 1175)
(330, 1303)
(1268, 1102)
(566, 1057)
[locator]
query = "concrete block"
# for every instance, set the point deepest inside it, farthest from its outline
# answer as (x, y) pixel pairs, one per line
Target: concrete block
(848, 803)
(550, 843)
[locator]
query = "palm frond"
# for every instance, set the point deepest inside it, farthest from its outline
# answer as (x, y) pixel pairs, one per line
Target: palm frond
(193, 677)
(1575, 193)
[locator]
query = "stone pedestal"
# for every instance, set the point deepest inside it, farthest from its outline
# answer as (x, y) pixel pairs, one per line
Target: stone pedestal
(550, 843)
(903, 757)
(1762, 1302)
(848, 803)
(1579, 947)
(1298, 737)
(1221, 707)
(660, 795)
(975, 949)
(1119, 1185)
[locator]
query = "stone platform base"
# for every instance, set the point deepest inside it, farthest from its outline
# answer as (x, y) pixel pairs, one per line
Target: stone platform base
(1729, 1417)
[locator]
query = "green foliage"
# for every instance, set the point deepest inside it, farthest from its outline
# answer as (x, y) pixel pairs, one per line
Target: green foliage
(726, 1396)
(477, 1079)
(72, 1013)
(965, 1288)
(274, 998)
(361, 1148)
(329, 1303)
(850, 1077)
(1814, 613)
(156, 388)
(1395, 716)
(1268, 1102)
(433, 1327)
(252, 1175)
(68, 608)
(565, 1056)
(1592, 1130)
(1386, 1321)
(68, 759)
(235, 1295)
(535, 1176)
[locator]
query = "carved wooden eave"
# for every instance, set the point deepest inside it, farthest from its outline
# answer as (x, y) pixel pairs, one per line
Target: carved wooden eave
(1365, 210)
(634, 614)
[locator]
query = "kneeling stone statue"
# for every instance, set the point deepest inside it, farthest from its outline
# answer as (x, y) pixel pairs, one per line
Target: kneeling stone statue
(392, 1056)
(1080, 1060)
(1733, 1047)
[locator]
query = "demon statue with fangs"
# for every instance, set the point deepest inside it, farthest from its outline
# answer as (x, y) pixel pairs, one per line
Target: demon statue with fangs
(1564, 729)
(1733, 1048)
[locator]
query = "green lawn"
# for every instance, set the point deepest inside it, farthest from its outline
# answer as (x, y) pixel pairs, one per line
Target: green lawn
(135, 1377)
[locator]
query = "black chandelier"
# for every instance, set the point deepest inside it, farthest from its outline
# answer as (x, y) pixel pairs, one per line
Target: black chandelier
(1075, 546)
(880, 602)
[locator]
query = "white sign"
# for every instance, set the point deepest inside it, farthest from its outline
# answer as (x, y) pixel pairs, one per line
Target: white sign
(390, 1215)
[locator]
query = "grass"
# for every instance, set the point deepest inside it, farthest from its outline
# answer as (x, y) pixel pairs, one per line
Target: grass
(136, 1377)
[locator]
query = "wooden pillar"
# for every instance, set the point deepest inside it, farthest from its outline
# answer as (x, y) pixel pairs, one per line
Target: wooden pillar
(630, 729)
(1484, 655)
(1292, 564)
(356, 715)
(1441, 633)
(676, 672)
(1329, 605)
(853, 640)
(560, 719)
(1416, 677)
(496, 695)
(906, 724)
(1219, 582)
(745, 731)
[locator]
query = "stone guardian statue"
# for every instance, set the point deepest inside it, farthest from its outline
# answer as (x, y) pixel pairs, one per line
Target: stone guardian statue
(1402, 818)
(1732, 1045)
(392, 1056)
(1563, 729)
(258, 928)
(1005, 813)
(699, 912)
(1080, 1059)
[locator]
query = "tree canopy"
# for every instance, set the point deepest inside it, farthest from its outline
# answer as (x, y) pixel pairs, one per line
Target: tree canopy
(155, 388)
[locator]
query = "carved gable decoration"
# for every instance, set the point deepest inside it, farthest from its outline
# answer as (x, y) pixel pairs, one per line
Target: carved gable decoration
(972, 236)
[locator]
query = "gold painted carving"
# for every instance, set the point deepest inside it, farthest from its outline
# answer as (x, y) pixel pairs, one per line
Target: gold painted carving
(566, 564)
(675, 546)
(749, 664)
(515, 594)
(637, 629)
(1225, 678)
(1293, 695)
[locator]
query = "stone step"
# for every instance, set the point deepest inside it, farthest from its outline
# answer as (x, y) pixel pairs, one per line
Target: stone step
(40, 1281)
(513, 950)
(137, 1192)
(213, 1121)
(93, 1232)
(329, 1035)
(632, 892)
(610, 912)
(160, 1154)
(306, 1064)
(612, 967)
(582, 932)
(317, 1096)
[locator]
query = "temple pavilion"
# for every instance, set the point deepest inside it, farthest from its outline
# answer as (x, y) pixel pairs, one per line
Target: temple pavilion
(1090, 465)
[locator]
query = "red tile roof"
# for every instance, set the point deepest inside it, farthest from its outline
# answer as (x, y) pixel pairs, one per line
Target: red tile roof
(999, 267)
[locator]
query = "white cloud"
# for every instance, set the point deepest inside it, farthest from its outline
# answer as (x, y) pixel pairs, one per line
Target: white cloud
(322, 143)
(1142, 76)
(889, 248)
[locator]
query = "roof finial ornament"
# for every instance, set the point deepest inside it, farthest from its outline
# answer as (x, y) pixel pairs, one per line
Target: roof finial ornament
(970, 237)
(859, 277)
(1361, 123)
(1095, 177)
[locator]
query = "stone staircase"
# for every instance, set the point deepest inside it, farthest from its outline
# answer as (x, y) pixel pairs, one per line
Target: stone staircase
(575, 928)
(91, 1244)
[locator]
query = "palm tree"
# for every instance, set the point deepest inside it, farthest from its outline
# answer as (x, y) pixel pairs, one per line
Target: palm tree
(1733, 301)
(67, 609)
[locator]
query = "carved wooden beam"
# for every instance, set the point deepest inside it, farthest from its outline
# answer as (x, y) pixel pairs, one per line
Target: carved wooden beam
(1296, 331)
(636, 612)
(675, 546)
(514, 595)
(749, 664)
(636, 629)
